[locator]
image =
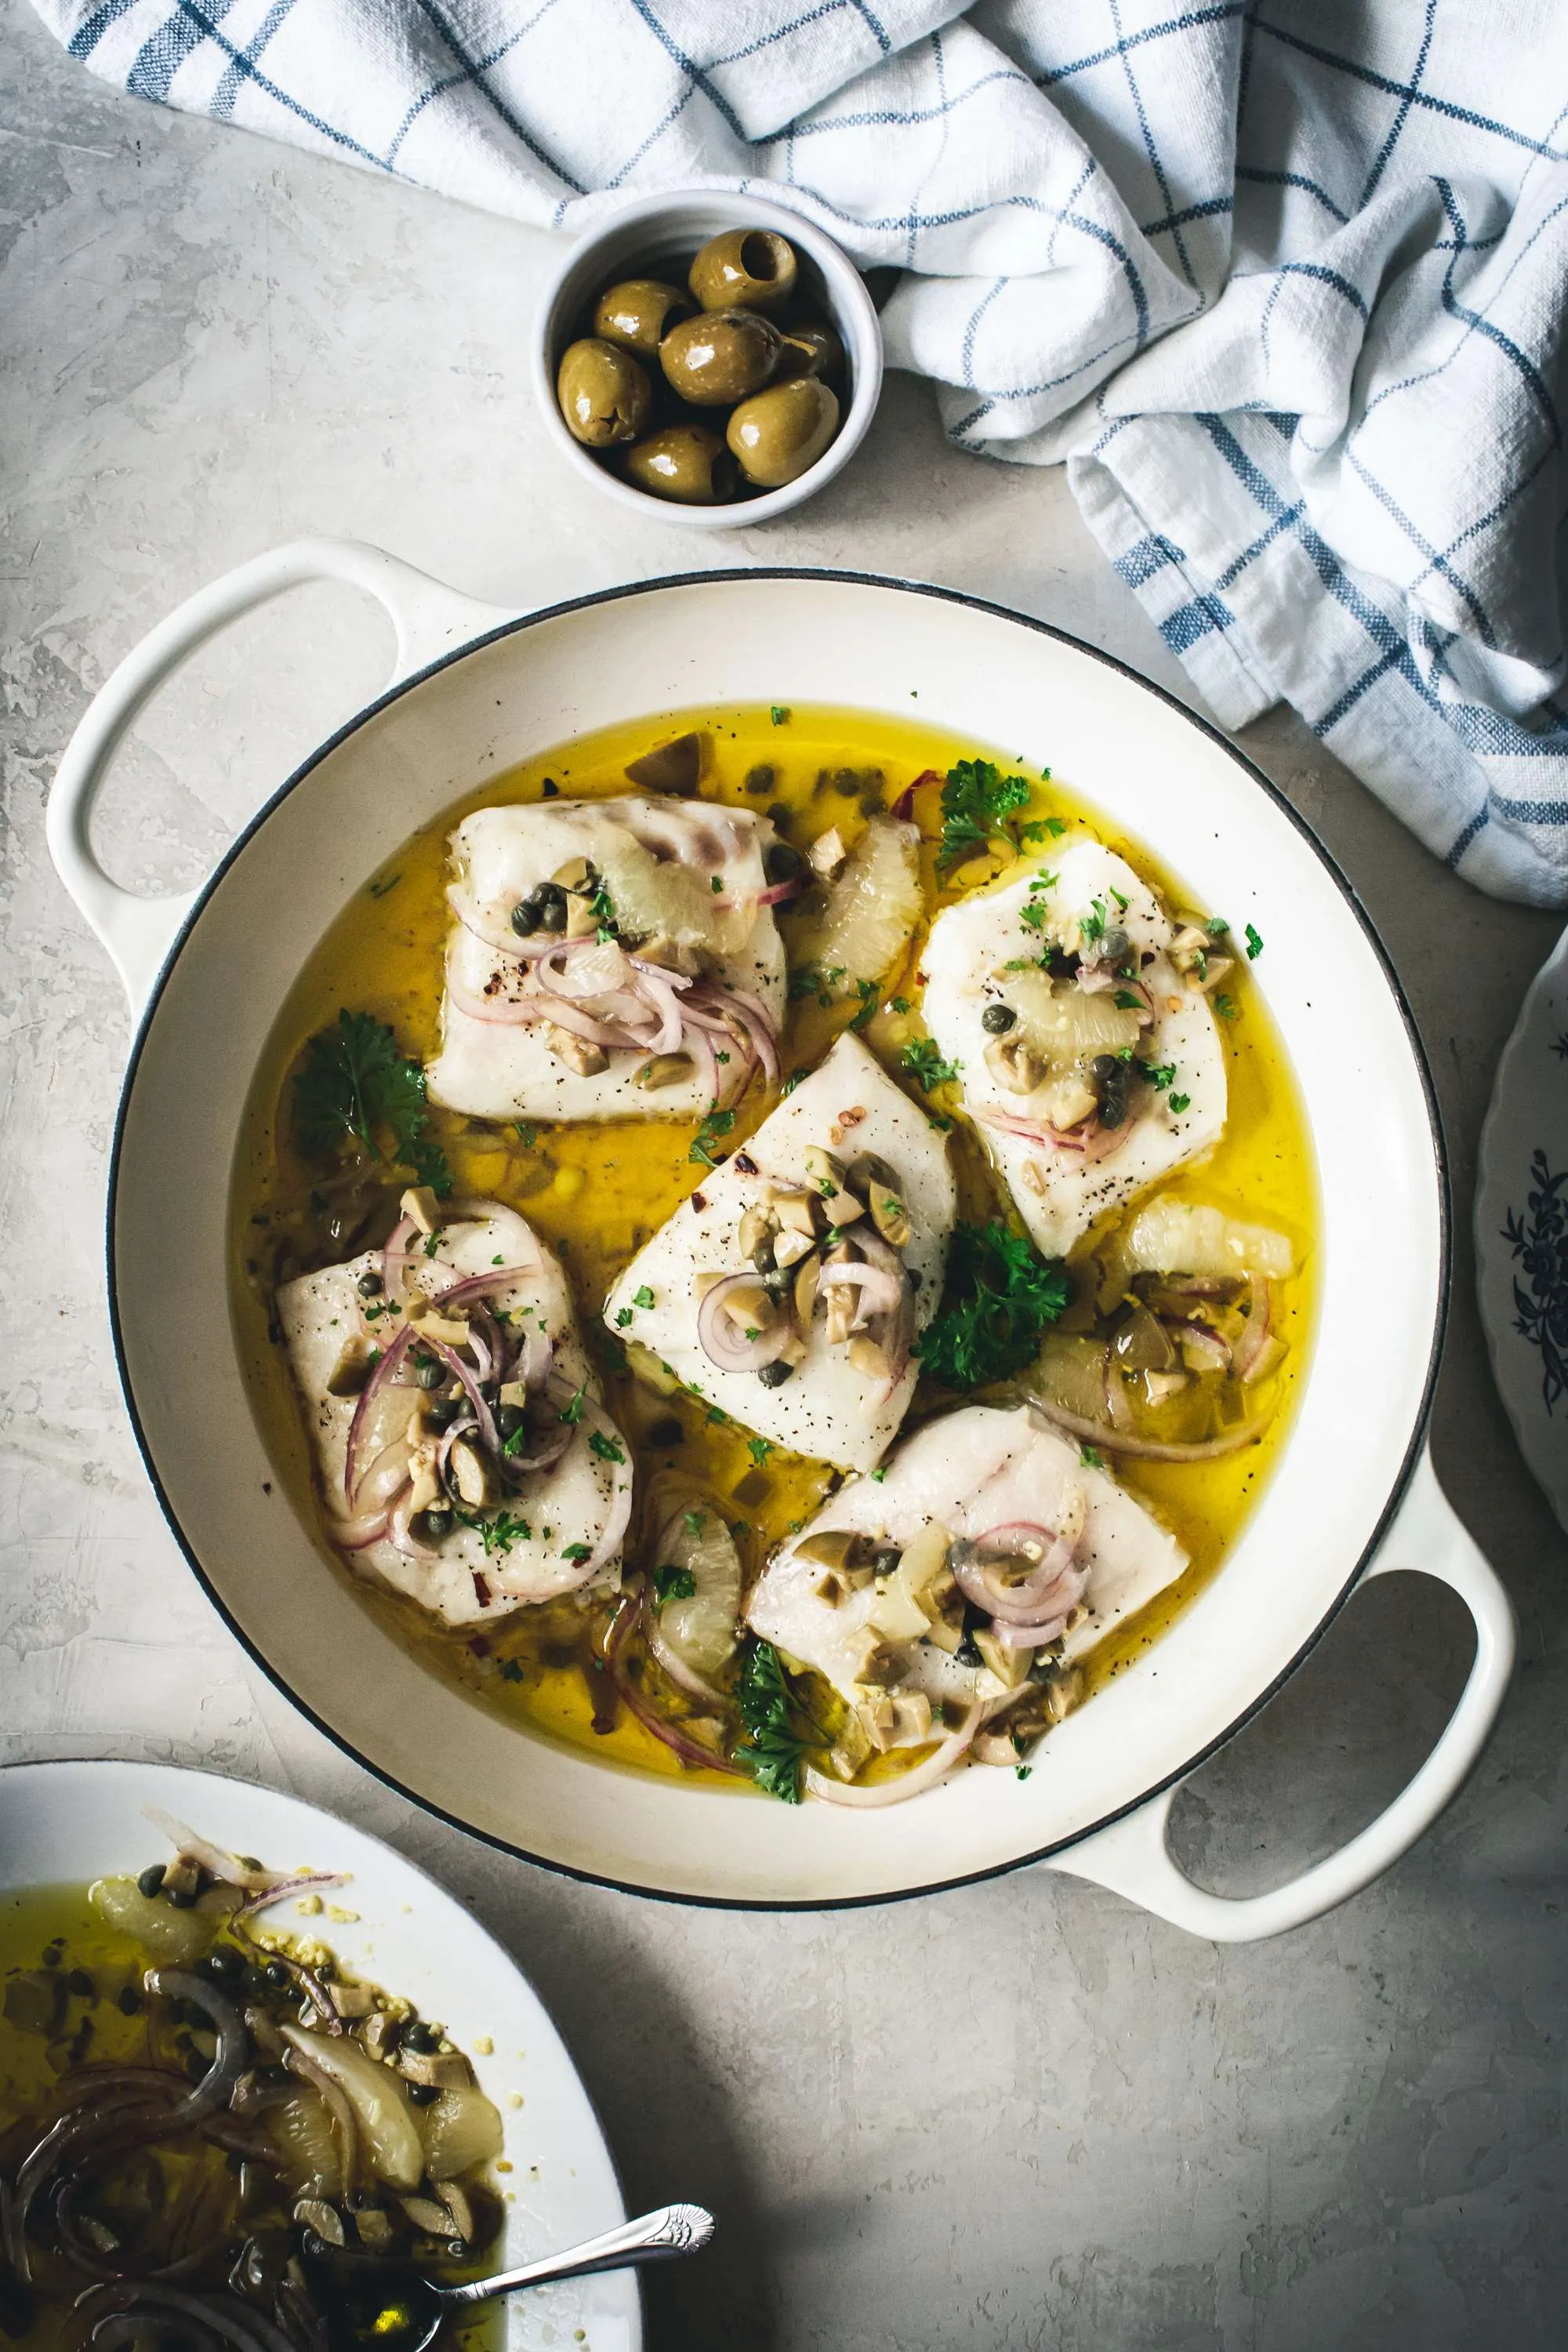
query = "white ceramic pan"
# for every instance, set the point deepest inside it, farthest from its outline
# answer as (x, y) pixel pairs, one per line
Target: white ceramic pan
(477, 690)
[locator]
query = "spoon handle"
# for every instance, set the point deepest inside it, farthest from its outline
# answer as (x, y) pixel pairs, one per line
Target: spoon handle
(652, 2238)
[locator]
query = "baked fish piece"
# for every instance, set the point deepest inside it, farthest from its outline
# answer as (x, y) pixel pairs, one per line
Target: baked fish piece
(925, 1595)
(1089, 1055)
(790, 1287)
(602, 954)
(462, 1449)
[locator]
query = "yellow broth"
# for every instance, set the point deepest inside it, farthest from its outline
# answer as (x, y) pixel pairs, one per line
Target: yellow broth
(99, 2019)
(596, 1192)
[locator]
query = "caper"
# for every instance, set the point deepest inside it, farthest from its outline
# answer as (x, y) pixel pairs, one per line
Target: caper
(998, 1019)
(182, 1897)
(639, 313)
(276, 1975)
(424, 2095)
(1113, 944)
(1110, 1074)
(687, 462)
(782, 863)
(722, 356)
(553, 907)
(81, 1983)
(666, 1432)
(253, 1981)
(442, 1412)
(433, 1525)
(773, 1375)
(753, 265)
(779, 814)
(760, 778)
(225, 1963)
(604, 395)
(150, 1880)
(885, 1559)
(129, 2000)
(779, 434)
(509, 1419)
(429, 1373)
(370, 1283)
(525, 916)
(418, 2035)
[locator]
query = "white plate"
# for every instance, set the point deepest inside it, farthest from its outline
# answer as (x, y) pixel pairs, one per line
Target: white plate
(66, 1823)
(1521, 1228)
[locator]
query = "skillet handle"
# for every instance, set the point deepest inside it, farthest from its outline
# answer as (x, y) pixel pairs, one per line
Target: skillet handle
(428, 617)
(1133, 1857)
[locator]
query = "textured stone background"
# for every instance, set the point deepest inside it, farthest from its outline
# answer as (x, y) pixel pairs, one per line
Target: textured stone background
(1019, 2117)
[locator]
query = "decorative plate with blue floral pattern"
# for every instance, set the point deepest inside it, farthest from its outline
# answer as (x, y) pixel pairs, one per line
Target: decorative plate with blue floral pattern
(1521, 1228)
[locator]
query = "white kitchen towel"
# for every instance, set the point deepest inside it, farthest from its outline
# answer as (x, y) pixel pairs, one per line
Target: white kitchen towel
(1281, 281)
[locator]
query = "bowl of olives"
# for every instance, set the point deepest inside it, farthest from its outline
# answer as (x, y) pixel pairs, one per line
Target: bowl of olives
(713, 355)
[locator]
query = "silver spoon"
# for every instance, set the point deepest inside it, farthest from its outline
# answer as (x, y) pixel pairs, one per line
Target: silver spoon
(415, 2309)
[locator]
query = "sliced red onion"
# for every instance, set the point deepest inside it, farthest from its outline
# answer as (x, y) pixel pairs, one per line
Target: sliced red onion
(359, 1533)
(552, 1446)
(472, 1390)
(1148, 1449)
(780, 892)
(504, 1010)
(396, 1349)
(400, 1532)
(477, 1286)
(1023, 1599)
(302, 1882)
(535, 1355)
(688, 1750)
(1255, 1329)
(463, 1428)
(912, 1783)
(897, 1338)
(675, 1665)
(662, 990)
(737, 1354)
(256, 1878)
(479, 1347)
(1092, 1141)
(383, 1476)
(760, 1028)
(1014, 1636)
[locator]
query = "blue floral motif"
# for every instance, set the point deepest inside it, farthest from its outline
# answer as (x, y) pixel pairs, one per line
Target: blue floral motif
(1543, 1243)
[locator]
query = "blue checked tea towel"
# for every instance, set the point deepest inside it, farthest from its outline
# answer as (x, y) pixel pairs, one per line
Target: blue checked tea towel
(1281, 281)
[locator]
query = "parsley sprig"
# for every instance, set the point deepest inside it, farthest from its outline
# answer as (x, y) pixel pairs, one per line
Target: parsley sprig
(355, 1082)
(773, 1750)
(1001, 1295)
(923, 1061)
(979, 802)
(671, 1583)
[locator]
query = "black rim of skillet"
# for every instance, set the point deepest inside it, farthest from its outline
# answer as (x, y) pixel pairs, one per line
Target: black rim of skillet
(1397, 1484)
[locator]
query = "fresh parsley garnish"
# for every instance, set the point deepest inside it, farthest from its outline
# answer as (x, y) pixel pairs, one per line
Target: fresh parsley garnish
(1000, 1297)
(1091, 927)
(643, 1297)
(1125, 1002)
(1217, 927)
(1091, 1459)
(867, 1012)
(623, 1316)
(977, 800)
(779, 713)
(499, 1534)
(793, 1080)
(577, 1553)
(602, 906)
(814, 980)
(1254, 944)
(526, 1135)
(356, 1083)
(572, 1413)
(758, 1448)
(1224, 1006)
(899, 1004)
(717, 1123)
(379, 890)
(923, 1061)
(773, 1750)
(1159, 1074)
(1033, 914)
(692, 1522)
(1179, 1103)
(605, 1447)
(673, 1584)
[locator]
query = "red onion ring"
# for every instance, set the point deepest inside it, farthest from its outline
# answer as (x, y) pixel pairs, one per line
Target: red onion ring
(360, 1532)
(1149, 1449)
(400, 1534)
(675, 1665)
(383, 1477)
(395, 1258)
(396, 1349)
(501, 1011)
(912, 1783)
(1254, 1338)
(1209, 1345)
(471, 1389)
(778, 894)
(1014, 1636)
(495, 1277)
(1022, 1601)
(621, 1630)
(737, 1354)
(879, 1293)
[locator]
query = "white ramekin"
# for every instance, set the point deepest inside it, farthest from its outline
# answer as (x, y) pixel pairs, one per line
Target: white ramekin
(654, 230)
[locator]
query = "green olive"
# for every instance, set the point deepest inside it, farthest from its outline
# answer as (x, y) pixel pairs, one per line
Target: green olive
(639, 313)
(604, 395)
(722, 356)
(783, 431)
(745, 265)
(810, 348)
(686, 462)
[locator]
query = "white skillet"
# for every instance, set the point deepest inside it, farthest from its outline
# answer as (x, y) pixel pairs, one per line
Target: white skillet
(475, 691)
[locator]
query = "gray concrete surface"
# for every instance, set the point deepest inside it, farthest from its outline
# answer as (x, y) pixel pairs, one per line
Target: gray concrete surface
(1023, 2117)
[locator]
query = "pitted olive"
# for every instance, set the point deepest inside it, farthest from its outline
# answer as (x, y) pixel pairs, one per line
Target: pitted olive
(639, 313)
(686, 462)
(720, 357)
(752, 265)
(783, 431)
(810, 348)
(604, 395)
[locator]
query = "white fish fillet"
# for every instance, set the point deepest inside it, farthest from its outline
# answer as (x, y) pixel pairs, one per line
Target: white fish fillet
(1057, 1195)
(567, 1505)
(659, 859)
(828, 1411)
(971, 1471)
